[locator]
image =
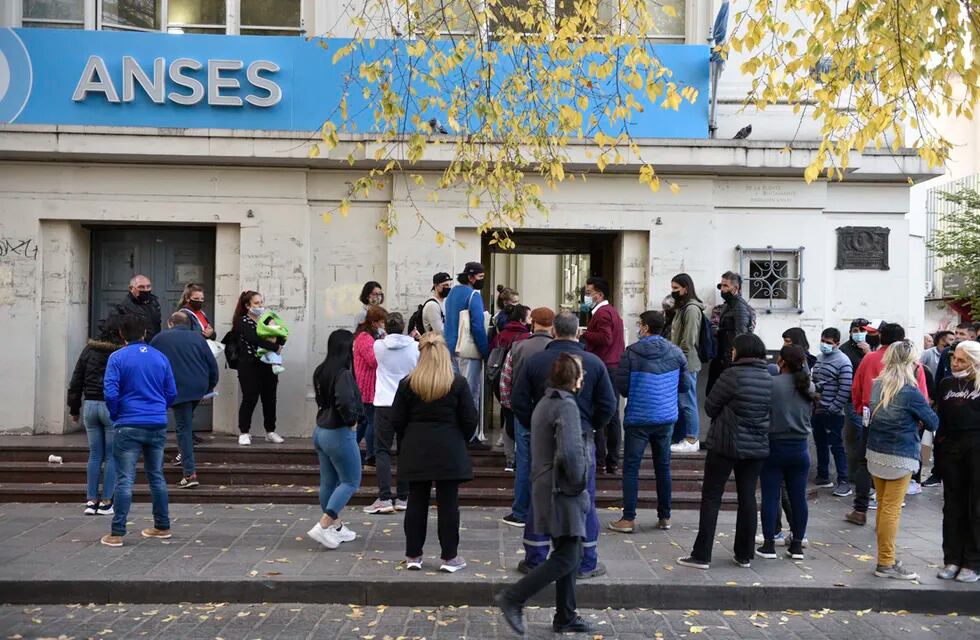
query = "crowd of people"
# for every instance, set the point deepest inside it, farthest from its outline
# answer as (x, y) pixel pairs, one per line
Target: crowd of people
(876, 405)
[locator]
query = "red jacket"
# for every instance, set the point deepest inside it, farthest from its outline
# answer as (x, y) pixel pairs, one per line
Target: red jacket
(870, 368)
(511, 333)
(604, 335)
(365, 365)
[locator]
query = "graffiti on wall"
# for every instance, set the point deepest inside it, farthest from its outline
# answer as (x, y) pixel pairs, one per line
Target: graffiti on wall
(15, 248)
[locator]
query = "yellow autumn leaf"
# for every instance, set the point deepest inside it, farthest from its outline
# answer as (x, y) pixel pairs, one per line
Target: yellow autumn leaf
(675, 188)
(440, 238)
(327, 217)
(344, 207)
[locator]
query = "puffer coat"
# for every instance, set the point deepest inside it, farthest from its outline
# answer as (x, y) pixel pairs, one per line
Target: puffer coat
(739, 406)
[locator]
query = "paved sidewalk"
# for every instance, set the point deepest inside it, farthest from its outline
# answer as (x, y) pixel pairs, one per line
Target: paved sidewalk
(292, 621)
(260, 553)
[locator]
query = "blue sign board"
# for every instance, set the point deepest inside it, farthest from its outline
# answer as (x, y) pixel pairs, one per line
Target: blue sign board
(280, 83)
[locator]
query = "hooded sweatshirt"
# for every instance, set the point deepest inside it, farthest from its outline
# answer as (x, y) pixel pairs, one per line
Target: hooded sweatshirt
(397, 356)
(685, 331)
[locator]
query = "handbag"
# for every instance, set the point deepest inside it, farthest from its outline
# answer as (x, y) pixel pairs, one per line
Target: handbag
(465, 345)
(230, 342)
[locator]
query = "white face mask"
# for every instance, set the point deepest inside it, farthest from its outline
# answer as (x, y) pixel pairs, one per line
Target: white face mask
(965, 373)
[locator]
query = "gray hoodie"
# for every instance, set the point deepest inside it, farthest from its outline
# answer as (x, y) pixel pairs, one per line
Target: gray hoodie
(397, 356)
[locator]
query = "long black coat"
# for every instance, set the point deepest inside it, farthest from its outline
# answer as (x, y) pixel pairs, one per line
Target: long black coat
(739, 405)
(432, 436)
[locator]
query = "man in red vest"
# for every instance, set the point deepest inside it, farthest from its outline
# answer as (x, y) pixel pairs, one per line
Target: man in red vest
(604, 338)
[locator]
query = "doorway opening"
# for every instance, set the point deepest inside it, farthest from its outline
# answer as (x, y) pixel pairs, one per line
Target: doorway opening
(170, 257)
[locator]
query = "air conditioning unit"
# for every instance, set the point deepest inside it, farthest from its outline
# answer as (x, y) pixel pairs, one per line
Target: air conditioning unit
(929, 287)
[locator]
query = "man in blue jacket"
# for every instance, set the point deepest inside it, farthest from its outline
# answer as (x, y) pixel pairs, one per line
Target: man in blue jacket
(466, 297)
(138, 387)
(196, 374)
(651, 374)
(596, 403)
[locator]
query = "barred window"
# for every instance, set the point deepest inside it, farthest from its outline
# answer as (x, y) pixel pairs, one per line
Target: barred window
(772, 278)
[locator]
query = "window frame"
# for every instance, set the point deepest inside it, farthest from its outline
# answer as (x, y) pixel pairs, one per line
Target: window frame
(794, 258)
(55, 22)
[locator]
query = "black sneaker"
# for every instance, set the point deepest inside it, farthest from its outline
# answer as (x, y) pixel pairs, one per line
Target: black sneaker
(692, 562)
(178, 460)
(524, 567)
(932, 481)
(795, 550)
(512, 520)
(823, 483)
(578, 625)
(767, 550)
(91, 507)
(745, 564)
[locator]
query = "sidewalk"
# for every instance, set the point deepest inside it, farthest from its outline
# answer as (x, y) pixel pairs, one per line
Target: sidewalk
(237, 553)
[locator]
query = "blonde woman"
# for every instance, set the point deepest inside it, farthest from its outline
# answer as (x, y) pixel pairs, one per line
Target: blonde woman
(434, 417)
(897, 409)
(958, 405)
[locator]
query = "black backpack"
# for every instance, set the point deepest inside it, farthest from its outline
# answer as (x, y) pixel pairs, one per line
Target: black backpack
(415, 323)
(231, 349)
(495, 368)
(707, 345)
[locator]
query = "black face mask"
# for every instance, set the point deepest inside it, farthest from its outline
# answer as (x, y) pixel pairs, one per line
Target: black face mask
(442, 292)
(727, 296)
(196, 305)
(478, 285)
(144, 296)
(676, 295)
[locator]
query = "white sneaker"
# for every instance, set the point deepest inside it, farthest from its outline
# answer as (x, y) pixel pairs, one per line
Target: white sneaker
(686, 446)
(380, 506)
(401, 505)
(273, 437)
(244, 440)
(344, 534)
(914, 488)
(327, 537)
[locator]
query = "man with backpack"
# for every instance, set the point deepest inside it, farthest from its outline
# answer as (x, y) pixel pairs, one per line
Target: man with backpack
(691, 332)
(431, 314)
(737, 317)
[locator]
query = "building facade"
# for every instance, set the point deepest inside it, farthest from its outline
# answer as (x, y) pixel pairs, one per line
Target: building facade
(93, 191)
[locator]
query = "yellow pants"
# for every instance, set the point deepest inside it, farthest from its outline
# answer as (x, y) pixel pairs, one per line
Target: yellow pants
(891, 494)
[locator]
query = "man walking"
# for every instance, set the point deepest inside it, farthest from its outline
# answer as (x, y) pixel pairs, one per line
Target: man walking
(604, 338)
(141, 302)
(196, 375)
(832, 375)
(139, 386)
(542, 323)
(651, 375)
(596, 402)
(397, 355)
(735, 319)
(469, 364)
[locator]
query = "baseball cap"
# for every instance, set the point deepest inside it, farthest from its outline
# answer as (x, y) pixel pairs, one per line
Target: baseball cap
(859, 322)
(543, 317)
(440, 278)
(472, 269)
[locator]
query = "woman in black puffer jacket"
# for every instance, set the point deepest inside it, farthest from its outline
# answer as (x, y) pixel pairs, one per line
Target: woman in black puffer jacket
(739, 406)
(86, 384)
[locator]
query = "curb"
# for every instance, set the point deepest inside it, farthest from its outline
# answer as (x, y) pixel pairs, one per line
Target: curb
(619, 595)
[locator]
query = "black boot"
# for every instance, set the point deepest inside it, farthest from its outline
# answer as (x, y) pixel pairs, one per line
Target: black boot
(513, 613)
(578, 625)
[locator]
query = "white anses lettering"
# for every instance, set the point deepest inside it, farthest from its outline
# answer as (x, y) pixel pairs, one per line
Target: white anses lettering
(221, 82)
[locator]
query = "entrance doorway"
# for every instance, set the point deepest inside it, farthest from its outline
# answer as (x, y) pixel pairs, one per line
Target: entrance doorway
(169, 257)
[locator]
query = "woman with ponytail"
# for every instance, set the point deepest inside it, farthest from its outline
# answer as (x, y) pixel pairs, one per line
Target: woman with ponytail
(789, 456)
(897, 408)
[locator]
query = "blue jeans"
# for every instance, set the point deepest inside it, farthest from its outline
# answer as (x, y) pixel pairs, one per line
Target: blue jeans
(536, 546)
(689, 420)
(828, 435)
(365, 430)
(130, 442)
(340, 467)
(522, 470)
(472, 370)
(636, 445)
(788, 460)
(98, 428)
(184, 416)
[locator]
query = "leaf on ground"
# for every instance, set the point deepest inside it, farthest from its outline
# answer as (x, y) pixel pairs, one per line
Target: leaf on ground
(729, 613)
(696, 629)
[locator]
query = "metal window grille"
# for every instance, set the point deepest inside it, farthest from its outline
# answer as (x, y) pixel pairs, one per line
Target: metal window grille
(772, 279)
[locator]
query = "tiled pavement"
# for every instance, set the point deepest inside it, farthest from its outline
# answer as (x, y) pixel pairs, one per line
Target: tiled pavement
(260, 553)
(293, 621)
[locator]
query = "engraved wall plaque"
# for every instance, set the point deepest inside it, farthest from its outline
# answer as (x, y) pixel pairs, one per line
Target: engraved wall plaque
(862, 248)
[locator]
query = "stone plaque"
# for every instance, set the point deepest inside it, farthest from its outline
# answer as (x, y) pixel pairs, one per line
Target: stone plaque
(862, 248)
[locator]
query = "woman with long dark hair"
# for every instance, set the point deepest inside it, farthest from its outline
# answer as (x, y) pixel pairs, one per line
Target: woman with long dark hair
(560, 466)
(371, 295)
(738, 405)
(255, 377)
(685, 332)
(797, 336)
(789, 456)
(339, 410)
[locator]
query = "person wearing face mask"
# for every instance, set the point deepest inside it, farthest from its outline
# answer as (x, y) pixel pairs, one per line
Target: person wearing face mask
(192, 304)
(141, 302)
(371, 294)
(365, 373)
(434, 309)
(958, 406)
(469, 351)
(604, 338)
(857, 345)
(686, 334)
(833, 376)
(255, 377)
(736, 319)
